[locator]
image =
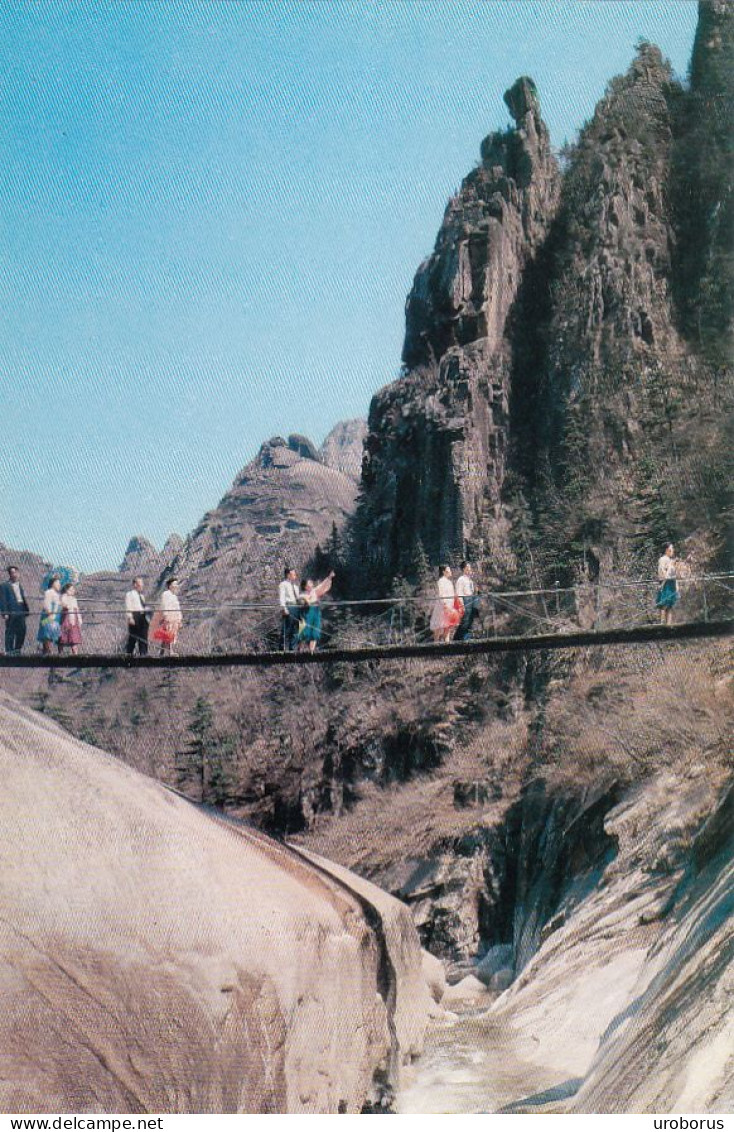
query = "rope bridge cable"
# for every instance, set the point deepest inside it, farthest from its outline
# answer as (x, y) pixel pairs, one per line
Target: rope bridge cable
(724, 580)
(662, 634)
(231, 629)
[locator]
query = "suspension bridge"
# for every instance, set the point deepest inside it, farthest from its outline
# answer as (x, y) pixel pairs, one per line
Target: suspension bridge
(250, 633)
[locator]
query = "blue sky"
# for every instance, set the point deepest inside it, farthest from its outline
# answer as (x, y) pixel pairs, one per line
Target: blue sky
(210, 217)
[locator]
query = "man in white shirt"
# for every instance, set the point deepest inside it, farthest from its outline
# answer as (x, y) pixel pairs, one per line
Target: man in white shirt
(137, 619)
(288, 595)
(465, 589)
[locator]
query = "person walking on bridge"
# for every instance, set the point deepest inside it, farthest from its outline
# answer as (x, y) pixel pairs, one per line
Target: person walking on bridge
(445, 616)
(466, 592)
(49, 628)
(288, 597)
(167, 620)
(14, 609)
(71, 620)
(667, 596)
(137, 619)
(311, 593)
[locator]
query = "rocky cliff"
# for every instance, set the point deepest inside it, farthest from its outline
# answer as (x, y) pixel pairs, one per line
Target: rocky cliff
(436, 452)
(623, 1006)
(281, 506)
(156, 959)
(568, 394)
(142, 558)
(670, 1048)
(616, 416)
(704, 188)
(613, 1020)
(343, 447)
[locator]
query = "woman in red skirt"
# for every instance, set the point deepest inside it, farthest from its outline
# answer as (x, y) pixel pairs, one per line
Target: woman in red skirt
(71, 620)
(447, 612)
(167, 619)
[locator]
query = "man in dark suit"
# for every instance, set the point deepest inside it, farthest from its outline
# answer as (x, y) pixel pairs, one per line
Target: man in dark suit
(14, 610)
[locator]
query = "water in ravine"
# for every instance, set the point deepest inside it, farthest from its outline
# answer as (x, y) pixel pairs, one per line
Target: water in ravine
(468, 1065)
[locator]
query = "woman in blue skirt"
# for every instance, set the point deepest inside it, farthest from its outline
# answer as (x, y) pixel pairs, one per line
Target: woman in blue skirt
(309, 632)
(668, 595)
(49, 629)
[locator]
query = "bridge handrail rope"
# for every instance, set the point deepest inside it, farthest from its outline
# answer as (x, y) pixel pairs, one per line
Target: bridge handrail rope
(502, 596)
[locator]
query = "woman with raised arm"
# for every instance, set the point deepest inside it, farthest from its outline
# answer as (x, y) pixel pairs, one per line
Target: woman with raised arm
(309, 633)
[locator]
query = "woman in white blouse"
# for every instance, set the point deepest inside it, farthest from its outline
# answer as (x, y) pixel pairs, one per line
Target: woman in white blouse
(71, 620)
(667, 595)
(445, 616)
(167, 620)
(49, 629)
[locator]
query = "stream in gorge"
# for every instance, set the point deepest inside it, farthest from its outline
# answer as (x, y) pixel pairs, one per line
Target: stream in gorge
(469, 1065)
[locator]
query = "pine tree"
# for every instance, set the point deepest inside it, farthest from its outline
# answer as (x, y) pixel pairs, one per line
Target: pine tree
(193, 762)
(220, 779)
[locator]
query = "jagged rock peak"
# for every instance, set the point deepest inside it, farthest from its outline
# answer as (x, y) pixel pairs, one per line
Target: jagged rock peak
(436, 451)
(279, 452)
(342, 449)
(500, 215)
(635, 100)
(172, 546)
(141, 556)
(614, 300)
(603, 351)
(303, 447)
(703, 188)
(522, 99)
(281, 505)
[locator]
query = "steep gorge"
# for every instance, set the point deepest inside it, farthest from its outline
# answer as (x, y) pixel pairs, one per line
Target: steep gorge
(563, 410)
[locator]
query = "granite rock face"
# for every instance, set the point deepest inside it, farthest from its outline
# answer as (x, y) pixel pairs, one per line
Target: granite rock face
(626, 996)
(31, 566)
(608, 401)
(436, 452)
(285, 986)
(142, 558)
(621, 404)
(704, 195)
(343, 447)
(671, 1049)
(623, 1002)
(281, 505)
(567, 351)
